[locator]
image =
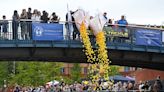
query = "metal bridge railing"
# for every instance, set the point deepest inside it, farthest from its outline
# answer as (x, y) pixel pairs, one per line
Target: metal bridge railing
(22, 30)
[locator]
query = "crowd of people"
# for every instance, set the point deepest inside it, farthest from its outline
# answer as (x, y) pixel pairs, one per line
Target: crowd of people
(123, 22)
(26, 17)
(25, 20)
(104, 86)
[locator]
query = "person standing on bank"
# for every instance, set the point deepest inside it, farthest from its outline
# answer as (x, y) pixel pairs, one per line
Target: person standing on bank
(15, 24)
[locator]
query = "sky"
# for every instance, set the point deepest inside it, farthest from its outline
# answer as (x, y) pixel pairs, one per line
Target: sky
(136, 11)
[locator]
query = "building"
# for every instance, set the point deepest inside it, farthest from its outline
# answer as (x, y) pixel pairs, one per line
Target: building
(66, 69)
(139, 73)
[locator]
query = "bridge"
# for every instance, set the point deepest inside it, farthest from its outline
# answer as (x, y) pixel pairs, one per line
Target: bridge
(125, 53)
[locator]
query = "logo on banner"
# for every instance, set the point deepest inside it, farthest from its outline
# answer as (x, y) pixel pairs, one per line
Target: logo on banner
(38, 31)
(43, 31)
(149, 41)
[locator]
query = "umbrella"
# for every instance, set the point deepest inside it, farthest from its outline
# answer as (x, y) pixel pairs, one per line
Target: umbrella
(131, 78)
(52, 83)
(121, 78)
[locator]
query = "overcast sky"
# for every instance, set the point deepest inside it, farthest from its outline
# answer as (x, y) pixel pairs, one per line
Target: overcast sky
(136, 11)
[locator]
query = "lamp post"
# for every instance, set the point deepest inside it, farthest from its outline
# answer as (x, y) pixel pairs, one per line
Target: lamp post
(4, 85)
(14, 67)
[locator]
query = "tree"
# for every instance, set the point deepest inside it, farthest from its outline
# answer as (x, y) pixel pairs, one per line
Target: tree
(75, 72)
(114, 70)
(35, 73)
(6, 70)
(3, 73)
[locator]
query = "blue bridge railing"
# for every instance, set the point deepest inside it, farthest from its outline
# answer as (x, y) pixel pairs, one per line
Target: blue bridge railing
(32, 31)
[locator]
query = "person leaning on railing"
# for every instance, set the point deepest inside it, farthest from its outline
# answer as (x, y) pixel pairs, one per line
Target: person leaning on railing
(122, 21)
(54, 18)
(36, 16)
(122, 27)
(44, 17)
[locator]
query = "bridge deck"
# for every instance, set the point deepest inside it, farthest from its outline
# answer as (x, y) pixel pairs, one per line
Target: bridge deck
(122, 45)
(71, 51)
(77, 44)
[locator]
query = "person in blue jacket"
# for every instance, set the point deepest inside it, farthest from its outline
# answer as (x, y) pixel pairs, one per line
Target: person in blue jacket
(122, 23)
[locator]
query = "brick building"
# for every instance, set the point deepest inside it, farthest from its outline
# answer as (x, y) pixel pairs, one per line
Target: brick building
(139, 73)
(66, 69)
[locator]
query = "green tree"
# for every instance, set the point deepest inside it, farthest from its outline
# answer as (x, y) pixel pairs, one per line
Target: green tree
(6, 70)
(75, 72)
(3, 73)
(35, 73)
(114, 70)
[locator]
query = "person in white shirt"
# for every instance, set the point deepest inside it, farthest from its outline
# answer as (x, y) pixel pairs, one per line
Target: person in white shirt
(140, 86)
(36, 16)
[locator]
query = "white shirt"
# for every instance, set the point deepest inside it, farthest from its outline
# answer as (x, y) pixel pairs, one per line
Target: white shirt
(35, 18)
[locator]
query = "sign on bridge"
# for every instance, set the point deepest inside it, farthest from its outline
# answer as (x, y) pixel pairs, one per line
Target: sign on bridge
(45, 31)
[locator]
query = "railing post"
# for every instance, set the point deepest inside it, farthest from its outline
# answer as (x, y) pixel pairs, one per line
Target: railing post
(132, 37)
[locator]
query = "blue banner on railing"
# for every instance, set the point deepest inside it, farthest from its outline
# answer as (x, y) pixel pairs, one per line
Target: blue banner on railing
(44, 31)
(148, 37)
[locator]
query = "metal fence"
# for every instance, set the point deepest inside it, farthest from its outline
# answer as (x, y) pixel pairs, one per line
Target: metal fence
(22, 30)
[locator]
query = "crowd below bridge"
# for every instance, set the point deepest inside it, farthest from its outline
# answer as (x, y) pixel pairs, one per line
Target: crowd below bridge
(102, 86)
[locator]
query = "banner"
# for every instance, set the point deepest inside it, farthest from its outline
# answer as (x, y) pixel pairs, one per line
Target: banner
(113, 31)
(45, 31)
(148, 37)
